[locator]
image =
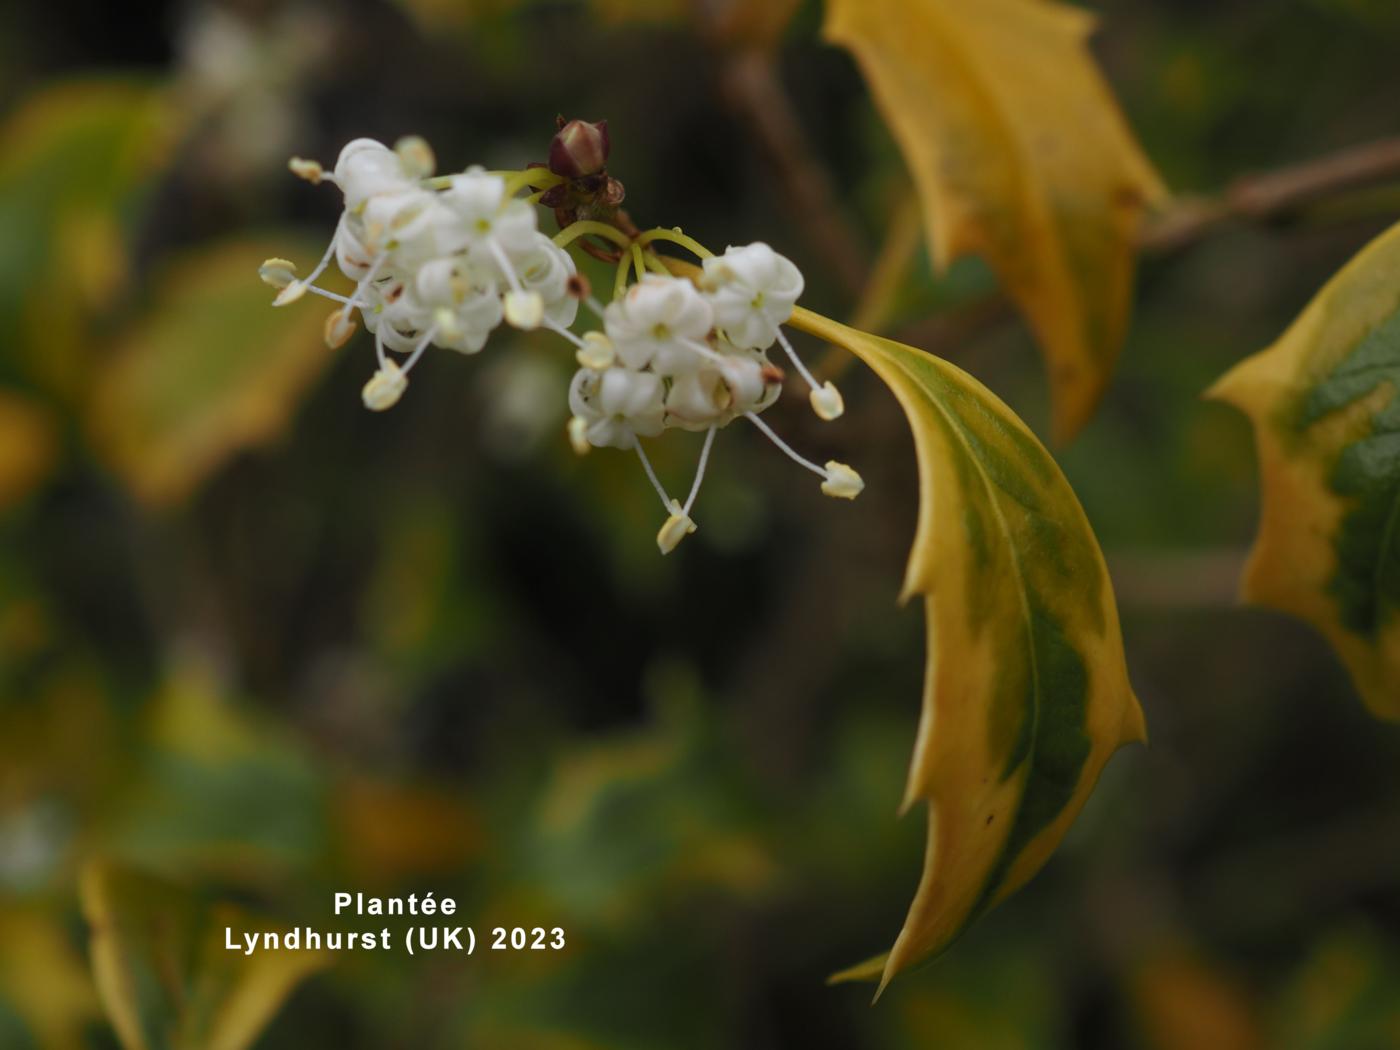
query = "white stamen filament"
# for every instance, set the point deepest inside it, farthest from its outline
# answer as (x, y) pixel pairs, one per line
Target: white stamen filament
(651, 474)
(699, 471)
(325, 259)
(379, 346)
(503, 260)
(784, 446)
(797, 361)
(418, 350)
(555, 326)
(702, 349)
(593, 304)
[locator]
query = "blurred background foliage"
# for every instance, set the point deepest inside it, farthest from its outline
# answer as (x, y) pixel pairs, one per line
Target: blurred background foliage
(265, 646)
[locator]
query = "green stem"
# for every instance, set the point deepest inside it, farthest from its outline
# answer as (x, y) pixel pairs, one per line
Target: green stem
(584, 227)
(675, 236)
(620, 281)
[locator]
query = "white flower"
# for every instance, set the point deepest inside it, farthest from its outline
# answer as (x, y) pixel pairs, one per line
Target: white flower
(752, 290)
(618, 405)
(545, 268)
(366, 168)
(458, 301)
(478, 200)
(662, 322)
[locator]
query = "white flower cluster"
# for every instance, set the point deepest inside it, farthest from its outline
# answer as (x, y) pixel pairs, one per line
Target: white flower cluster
(435, 261)
(444, 260)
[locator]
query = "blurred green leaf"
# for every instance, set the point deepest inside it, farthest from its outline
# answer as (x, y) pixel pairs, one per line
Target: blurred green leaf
(73, 160)
(209, 369)
(46, 994)
(164, 974)
(1345, 997)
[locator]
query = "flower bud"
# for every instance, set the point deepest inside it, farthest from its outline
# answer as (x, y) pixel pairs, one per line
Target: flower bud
(579, 148)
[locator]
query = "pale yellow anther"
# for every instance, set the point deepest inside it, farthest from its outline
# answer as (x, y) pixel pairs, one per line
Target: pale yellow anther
(416, 156)
(290, 294)
(826, 402)
(578, 435)
(340, 326)
(678, 526)
(597, 351)
(278, 272)
(309, 170)
(524, 310)
(445, 321)
(841, 481)
(385, 387)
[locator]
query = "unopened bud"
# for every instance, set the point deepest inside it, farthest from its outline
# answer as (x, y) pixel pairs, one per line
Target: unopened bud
(578, 435)
(524, 310)
(597, 351)
(579, 148)
(340, 326)
(827, 402)
(385, 387)
(677, 527)
(841, 481)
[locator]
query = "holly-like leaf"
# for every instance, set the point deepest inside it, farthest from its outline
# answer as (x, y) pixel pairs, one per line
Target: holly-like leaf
(1026, 693)
(164, 974)
(209, 370)
(1325, 404)
(1020, 155)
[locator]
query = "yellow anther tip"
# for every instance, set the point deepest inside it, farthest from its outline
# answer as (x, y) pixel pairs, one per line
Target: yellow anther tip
(841, 481)
(827, 402)
(677, 527)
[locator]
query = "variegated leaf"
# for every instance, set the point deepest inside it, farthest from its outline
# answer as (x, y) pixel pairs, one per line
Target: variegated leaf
(1026, 692)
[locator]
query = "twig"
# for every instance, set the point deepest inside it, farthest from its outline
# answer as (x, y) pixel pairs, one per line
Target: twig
(1270, 195)
(1254, 198)
(750, 85)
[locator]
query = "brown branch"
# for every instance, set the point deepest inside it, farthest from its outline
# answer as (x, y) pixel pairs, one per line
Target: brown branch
(751, 87)
(1270, 195)
(1255, 198)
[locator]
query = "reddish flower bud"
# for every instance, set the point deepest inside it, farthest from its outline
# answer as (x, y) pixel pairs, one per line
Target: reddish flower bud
(579, 149)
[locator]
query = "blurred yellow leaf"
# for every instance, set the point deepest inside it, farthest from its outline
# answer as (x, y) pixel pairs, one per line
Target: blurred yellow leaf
(391, 830)
(164, 974)
(1325, 404)
(1020, 155)
(1184, 1003)
(1027, 693)
(28, 447)
(43, 979)
(208, 370)
(73, 158)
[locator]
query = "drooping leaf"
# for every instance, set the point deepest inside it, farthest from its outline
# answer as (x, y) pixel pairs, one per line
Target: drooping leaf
(1020, 155)
(210, 369)
(1026, 692)
(1325, 404)
(164, 974)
